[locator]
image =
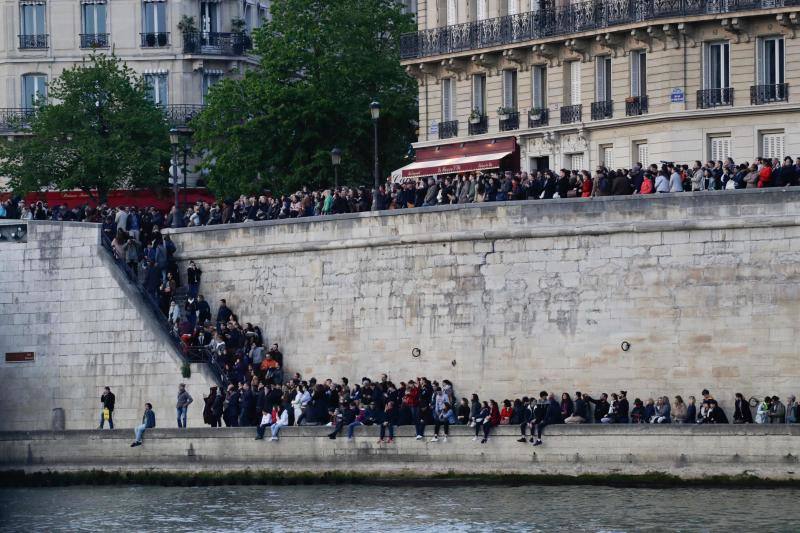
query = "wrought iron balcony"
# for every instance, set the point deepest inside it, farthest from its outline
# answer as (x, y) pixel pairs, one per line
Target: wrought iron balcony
(94, 40)
(479, 125)
(708, 98)
(510, 122)
(636, 105)
(15, 118)
(766, 94)
(33, 42)
(181, 114)
(218, 44)
(448, 129)
(602, 110)
(571, 113)
(537, 117)
(553, 21)
(155, 39)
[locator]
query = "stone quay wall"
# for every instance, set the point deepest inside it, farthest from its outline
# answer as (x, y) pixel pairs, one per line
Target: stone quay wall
(687, 451)
(506, 299)
(63, 298)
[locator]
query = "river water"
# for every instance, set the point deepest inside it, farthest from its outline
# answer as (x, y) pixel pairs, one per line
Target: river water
(397, 508)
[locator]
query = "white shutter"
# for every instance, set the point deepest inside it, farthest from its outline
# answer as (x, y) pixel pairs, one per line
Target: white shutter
(539, 86)
(608, 156)
(576, 161)
(483, 10)
(643, 156)
(773, 145)
(720, 148)
(760, 62)
(452, 14)
(575, 83)
(513, 7)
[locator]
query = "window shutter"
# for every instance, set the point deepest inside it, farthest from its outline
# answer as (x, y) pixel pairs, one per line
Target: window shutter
(773, 145)
(483, 11)
(452, 14)
(608, 156)
(575, 82)
(513, 7)
(576, 161)
(642, 154)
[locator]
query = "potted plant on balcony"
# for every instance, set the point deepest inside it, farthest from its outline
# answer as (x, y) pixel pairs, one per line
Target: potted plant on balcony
(504, 113)
(475, 117)
(535, 114)
(188, 28)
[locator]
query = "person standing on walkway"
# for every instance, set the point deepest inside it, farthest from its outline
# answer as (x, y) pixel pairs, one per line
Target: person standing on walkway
(107, 413)
(148, 421)
(182, 406)
(193, 275)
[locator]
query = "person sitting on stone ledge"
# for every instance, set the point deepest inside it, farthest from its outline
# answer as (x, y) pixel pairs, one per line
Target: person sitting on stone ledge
(715, 414)
(387, 422)
(462, 413)
(281, 421)
(344, 417)
(266, 421)
(662, 411)
(552, 416)
(148, 421)
(741, 412)
(649, 410)
(526, 419)
(638, 415)
(580, 412)
(444, 418)
(691, 411)
(613, 409)
(679, 411)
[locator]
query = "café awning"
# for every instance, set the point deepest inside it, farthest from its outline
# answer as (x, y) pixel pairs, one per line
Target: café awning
(452, 165)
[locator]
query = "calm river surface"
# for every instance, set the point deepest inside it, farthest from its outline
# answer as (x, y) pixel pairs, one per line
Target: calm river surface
(387, 508)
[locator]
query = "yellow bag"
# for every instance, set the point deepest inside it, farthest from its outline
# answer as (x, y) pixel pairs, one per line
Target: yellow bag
(106, 413)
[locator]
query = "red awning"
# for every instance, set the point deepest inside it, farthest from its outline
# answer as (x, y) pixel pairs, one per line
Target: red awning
(452, 165)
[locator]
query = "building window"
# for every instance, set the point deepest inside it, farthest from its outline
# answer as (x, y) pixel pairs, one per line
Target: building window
(574, 83)
(154, 24)
(717, 66)
(94, 18)
(575, 161)
(32, 19)
(607, 156)
(452, 12)
(539, 86)
(638, 73)
(479, 93)
(719, 147)
(770, 61)
(448, 99)
(510, 89)
(641, 154)
(772, 145)
(209, 17)
(264, 14)
(603, 79)
(482, 9)
(249, 17)
(157, 84)
(209, 80)
(34, 90)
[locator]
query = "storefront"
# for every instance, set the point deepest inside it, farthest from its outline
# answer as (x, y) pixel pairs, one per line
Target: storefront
(458, 158)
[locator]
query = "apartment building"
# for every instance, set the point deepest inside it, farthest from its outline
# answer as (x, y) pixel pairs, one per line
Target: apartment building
(531, 84)
(41, 38)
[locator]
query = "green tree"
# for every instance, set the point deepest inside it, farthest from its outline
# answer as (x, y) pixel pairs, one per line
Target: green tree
(321, 63)
(99, 132)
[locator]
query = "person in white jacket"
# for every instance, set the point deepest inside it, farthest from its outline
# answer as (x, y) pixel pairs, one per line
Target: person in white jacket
(282, 421)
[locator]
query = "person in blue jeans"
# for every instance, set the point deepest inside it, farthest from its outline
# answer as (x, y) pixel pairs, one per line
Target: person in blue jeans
(182, 406)
(388, 422)
(107, 401)
(148, 421)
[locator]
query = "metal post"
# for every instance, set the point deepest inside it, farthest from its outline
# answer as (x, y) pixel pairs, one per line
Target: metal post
(375, 192)
(175, 223)
(185, 192)
(336, 177)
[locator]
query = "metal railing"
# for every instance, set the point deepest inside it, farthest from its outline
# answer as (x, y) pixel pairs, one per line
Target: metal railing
(214, 43)
(766, 94)
(94, 40)
(189, 354)
(448, 129)
(511, 122)
(181, 114)
(636, 105)
(537, 117)
(155, 39)
(16, 118)
(708, 98)
(571, 114)
(552, 21)
(480, 126)
(602, 110)
(29, 42)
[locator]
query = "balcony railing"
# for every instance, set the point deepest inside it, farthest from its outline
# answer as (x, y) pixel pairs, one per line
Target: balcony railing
(708, 98)
(218, 44)
(32, 42)
(553, 21)
(510, 122)
(479, 125)
(15, 118)
(448, 129)
(636, 105)
(602, 110)
(94, 40)
(571, 114)
(766, 94)
(155, 39)
(537, 117)
(181, 114)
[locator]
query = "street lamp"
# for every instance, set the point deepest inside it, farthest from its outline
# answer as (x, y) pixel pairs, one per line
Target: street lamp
(174, 139)
(336, 160)
(375, 111)
(187, 148)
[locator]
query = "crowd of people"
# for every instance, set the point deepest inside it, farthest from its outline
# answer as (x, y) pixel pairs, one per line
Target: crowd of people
(463, 188)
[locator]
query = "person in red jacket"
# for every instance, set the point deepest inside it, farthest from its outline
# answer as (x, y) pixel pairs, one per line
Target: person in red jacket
(491, 421)
(411, 400)
(764, 174)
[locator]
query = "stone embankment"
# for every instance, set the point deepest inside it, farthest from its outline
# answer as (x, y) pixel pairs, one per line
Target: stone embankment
(752, 452)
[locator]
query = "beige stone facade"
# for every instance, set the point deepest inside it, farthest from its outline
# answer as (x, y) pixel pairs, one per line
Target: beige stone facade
(41, 38)
(712, 82)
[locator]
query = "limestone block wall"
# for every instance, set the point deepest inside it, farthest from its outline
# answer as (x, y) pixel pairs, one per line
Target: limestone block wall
(62, 297)
(511, 298)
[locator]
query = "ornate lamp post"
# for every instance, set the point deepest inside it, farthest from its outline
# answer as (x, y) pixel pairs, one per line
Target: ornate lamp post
(336, 160)
(375, 111)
